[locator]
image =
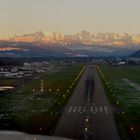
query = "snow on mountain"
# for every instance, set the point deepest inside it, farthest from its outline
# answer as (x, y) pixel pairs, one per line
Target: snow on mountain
(34, 37)
(83, 37)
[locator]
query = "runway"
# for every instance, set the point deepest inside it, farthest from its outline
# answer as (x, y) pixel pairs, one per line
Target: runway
(88, 114)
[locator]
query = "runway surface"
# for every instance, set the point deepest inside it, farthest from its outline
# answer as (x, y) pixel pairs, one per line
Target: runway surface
(88, 114)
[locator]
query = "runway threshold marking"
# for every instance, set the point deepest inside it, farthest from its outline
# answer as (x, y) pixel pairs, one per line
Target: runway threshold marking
(93, 109)
(96, 109)
(101, 109)
(106, 110)
(84, 109)
(70, 109)
(79, 108)
(74, 109)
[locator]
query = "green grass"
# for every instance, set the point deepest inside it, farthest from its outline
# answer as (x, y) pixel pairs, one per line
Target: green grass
(124, 96)
(25, 107)
(119, 72)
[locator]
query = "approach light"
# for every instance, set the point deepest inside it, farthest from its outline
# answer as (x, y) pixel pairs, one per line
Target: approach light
(86, 120)
(58, 90)
(132, 128)
(86, 129)
(50, 89)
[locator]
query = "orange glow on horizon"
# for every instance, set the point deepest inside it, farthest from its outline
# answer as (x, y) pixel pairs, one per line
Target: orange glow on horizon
(8, 49)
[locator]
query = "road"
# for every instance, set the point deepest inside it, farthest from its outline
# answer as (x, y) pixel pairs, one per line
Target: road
(88, 114)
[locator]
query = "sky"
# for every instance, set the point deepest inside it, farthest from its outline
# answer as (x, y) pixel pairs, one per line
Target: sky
(68, 16)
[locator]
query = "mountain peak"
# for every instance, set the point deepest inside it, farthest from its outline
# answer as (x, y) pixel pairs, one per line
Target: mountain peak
(33, 37)
(39, 33)
(83, 37)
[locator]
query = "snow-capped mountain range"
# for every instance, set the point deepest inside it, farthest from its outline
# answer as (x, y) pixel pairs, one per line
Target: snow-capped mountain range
(83, 37)
(82, 43)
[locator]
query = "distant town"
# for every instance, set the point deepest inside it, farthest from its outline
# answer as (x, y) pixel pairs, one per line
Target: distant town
(26, 70)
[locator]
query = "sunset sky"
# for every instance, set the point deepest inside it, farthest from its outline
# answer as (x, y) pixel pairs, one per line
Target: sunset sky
(68, 16)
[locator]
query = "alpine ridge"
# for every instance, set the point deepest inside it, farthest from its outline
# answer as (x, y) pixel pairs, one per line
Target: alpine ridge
(83, 37)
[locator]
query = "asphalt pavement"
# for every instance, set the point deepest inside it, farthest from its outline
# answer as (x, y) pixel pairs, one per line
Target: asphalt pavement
(88, 114)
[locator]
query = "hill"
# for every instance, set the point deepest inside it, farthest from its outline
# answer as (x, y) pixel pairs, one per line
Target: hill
(136, 54)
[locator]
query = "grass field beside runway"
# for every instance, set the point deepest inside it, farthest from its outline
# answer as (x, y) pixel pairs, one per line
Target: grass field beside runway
(33, 111)
(124, 96)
